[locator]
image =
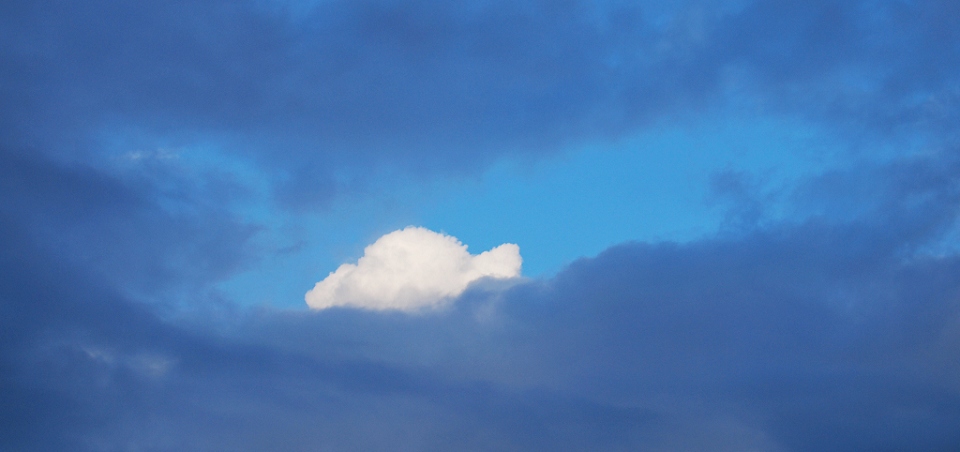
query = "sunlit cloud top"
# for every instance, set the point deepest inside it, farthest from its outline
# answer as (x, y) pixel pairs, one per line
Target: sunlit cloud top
(412, 269)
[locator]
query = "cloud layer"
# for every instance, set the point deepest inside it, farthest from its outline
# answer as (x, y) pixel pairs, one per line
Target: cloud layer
(412, 269)
(456, 86)
(823, 335)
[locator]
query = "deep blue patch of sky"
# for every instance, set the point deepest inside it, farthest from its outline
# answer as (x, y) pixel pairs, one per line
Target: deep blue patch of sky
(654, 186)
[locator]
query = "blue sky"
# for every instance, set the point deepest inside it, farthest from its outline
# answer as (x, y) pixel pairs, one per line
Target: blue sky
(655, 186)
(658, 185)
(737, 223)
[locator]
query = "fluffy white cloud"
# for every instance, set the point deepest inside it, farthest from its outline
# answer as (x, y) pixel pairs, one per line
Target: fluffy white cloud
(412, 269)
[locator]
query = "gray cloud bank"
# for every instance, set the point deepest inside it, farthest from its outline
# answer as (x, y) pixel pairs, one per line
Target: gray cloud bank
(816, 335)
(306, 93)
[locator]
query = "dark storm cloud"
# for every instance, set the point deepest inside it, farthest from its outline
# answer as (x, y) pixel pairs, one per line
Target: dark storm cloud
(434, 86)
(815, 335)
(140, 235)
(383, 80)
(887, 67)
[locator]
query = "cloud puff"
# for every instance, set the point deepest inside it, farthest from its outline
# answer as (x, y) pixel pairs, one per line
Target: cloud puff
(412, 269)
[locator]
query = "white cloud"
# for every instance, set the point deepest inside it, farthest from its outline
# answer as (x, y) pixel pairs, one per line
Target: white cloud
(412, 269)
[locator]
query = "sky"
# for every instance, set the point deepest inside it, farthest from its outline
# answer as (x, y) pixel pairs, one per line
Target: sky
(417, 225)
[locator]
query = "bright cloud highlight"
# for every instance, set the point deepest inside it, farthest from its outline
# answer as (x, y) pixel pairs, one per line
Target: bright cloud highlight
(412, 269)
